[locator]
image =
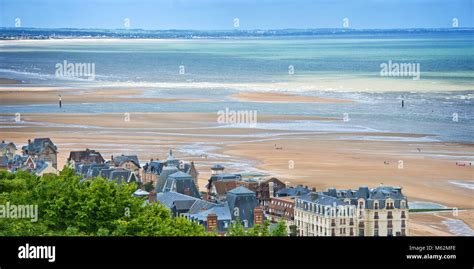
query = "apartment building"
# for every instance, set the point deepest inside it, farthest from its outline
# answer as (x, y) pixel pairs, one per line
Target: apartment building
(381, 211)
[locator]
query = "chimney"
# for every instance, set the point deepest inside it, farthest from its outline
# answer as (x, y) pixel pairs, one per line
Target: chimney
(258, 215)
(271, 188)
(29, 141)
(112, 157)
(313, 189)
(212, 222)
(3, 141)
(152, 196)
(151, 159)
(287, 184)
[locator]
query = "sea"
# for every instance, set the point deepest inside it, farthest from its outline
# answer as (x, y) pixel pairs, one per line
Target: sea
(438, 105)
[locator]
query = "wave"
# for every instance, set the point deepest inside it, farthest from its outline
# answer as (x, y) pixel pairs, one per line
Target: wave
(47, 77)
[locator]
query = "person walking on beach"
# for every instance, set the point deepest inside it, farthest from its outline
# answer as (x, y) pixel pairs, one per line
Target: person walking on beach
(403, 103)
(60, 102)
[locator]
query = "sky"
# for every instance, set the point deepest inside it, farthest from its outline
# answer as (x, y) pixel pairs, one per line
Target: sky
(251, 14)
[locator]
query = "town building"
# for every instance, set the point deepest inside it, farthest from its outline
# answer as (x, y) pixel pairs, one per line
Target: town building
(152, 171)
(264, 189)
(381, 211)
(282, 209)
(7, 149)
(42, 149)
(183, 183)
(293, 191)
(84, 156)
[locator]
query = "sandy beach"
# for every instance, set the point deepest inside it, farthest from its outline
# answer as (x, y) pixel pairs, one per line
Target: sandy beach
(49, 95)
(314, 159)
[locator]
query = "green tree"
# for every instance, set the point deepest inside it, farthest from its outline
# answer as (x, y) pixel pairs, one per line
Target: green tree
(280, 229)
(236, 229)
(149, 186)
(68, 206)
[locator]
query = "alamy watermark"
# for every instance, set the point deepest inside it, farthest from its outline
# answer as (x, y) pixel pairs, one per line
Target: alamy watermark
(75, 70)
(394, 69)
(237, 117)
(11, 211)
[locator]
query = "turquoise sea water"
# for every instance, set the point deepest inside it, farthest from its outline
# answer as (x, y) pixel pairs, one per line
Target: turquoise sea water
(345, 67)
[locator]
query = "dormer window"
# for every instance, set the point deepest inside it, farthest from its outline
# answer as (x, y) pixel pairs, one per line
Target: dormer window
(376, 205)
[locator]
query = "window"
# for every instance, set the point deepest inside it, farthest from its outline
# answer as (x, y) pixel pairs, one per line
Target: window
(376, 205)
(376, 232)
(389, 215)
(376, 215)
(403, 215)
(389, 232)
(361, 232)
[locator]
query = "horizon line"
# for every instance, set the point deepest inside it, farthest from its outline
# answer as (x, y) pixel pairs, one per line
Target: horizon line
(236, 29)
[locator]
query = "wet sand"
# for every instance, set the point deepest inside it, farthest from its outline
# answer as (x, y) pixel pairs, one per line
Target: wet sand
(276, 97)
(50, 95)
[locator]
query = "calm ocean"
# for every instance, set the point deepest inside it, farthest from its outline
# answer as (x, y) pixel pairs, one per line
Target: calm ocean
(345, 67)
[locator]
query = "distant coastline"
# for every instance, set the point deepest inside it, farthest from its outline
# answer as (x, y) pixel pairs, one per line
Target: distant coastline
(14, 33)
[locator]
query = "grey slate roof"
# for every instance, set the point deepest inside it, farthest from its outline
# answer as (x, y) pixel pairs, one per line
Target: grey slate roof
(120, 175)
(381, 194)
(4, 144)
(168, 198)
(119, 160)
(171, 160)
(241, 190)
(38, 145)
(243, 201)
(4, 161)
(154, 167)
(182, 183)
(321, 199)
(168, 170)
(201, 205)
(222, 212)
(293, 191)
